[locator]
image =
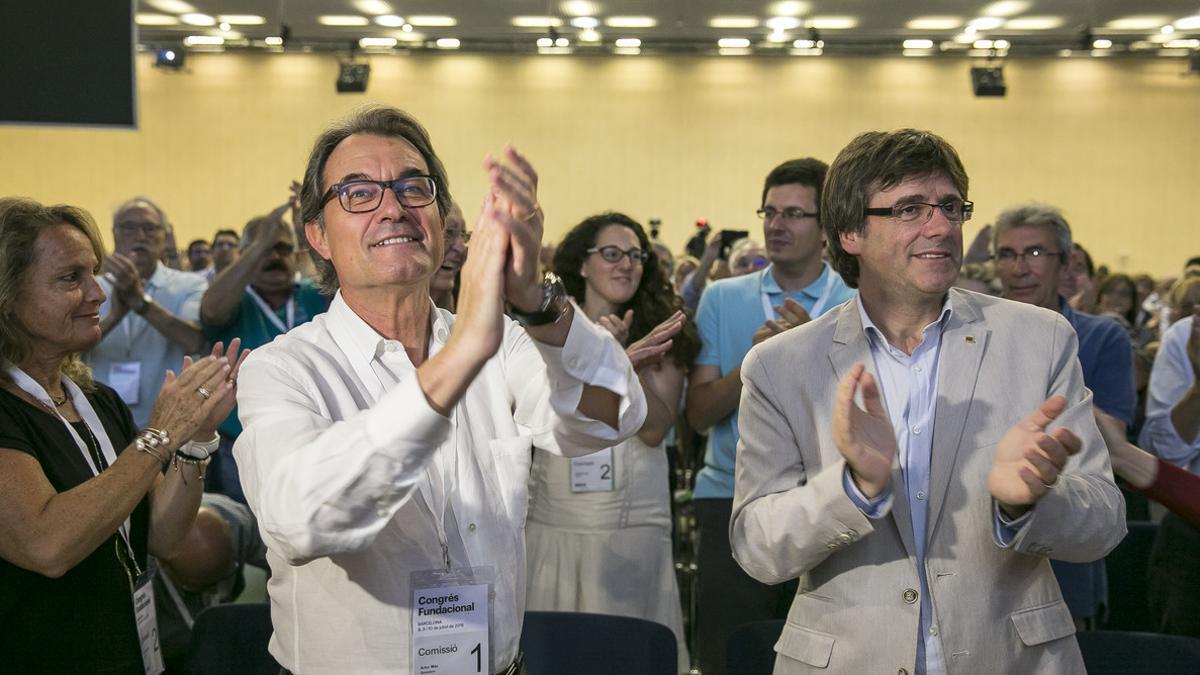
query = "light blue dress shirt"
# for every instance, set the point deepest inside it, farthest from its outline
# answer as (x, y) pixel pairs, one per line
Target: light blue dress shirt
(1170, 379)
(908, 385)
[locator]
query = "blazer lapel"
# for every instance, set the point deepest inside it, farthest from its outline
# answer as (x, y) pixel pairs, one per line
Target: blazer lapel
(850, 346)
(964, 342)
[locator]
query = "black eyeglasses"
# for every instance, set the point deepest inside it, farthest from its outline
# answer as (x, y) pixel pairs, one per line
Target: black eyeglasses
(363, 195)
(956, 211)
(792, 213)
(613, 254)
(1008, 257)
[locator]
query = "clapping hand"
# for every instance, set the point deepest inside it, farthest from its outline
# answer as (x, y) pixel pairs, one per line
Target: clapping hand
(123, 274)
(654, 345)
(618, 326)
(791, 314)
(514, 194)
(225, 402)
(1029, 461)
(864, 436)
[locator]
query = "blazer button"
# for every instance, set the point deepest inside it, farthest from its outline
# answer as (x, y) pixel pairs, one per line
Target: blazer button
(910, 596)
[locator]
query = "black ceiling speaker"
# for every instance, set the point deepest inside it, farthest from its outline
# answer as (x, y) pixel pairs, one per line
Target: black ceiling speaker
(988, 81)
(352, 78)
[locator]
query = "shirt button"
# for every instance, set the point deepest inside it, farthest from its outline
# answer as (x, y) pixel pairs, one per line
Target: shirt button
(390, 346)
(471, 527)
(910, 595)
(381, 512)
(916, 369)
(916, 430)
(933, 631)
(921, 495)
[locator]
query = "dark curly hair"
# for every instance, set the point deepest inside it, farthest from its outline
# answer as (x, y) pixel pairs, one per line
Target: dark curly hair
(653, 301)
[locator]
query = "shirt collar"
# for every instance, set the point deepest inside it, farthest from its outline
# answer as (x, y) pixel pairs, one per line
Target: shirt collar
(367, 344)
(159, 277)
(875, 336)
(1065, 308)
(813, 290)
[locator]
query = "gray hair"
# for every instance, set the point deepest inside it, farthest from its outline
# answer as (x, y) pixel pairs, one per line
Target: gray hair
(375, 120)
(134, 201)
(1035, 214)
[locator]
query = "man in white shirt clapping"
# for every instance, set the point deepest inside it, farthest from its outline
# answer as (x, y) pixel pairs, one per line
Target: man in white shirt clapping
(386, 444)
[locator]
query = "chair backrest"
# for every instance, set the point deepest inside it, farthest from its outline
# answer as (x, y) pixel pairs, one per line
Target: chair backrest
(751, 648)
(232, 640)
(596, 644)
(1128, 590)
(1111, 652)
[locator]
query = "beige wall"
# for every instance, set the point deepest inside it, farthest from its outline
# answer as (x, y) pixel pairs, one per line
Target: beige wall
(1113, 142)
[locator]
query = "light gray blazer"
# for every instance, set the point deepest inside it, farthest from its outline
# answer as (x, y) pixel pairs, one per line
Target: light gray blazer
(996, 610)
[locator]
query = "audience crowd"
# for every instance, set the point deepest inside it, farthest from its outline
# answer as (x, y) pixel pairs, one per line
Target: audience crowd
(881, 420)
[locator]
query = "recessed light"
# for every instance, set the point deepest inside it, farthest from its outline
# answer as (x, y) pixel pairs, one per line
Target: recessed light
(579, 8)
(342, 20)
(1034, 23)
(1188, 22)
(156, 20)
(782, 23)
(407, 28)
(918, 44)
(631, 22)
(804, 44)
(982, 44)
(628, 42)
(589, 35)
(1006, 8)
(205, 40)
(789, 8)
(1001, 44)
(1182, 44)
(1137, 23)
(171, 6)
(377, 42)
(536, 21)
(733, 43)
(1101, 44)
(1167, 29)
(832, 22)
(274, 41)
(430, 20)
(372, 7)
(194, 19)
(585, 22)
(448, 43)
(935, 23)
(985, 23)
(562, 42)
(544, 42)
(733, 22)
(390, 20)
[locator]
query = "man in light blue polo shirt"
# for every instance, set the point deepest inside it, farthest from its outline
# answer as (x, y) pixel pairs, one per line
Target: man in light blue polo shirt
(734, 315)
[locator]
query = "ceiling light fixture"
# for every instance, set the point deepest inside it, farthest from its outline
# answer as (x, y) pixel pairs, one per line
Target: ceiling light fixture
(377, 42)
(627, 51)
(1034, 23)
(579, 8)
(918, 44)
(342, 20)
(833, 22)
(733, 43)
(1188, 23)
(155, 20)
(734, 51)
(1101, 44)
(985, 23)
(241, 19)
(536, 21)
(733, 22)
(628, 43)
(1006, 8)
(782, 23)
(194, 19)
(203, 40)
(789, 8)
(544, 42)
(589, 35)
(448, 43)
(171, 6)
(585, 22)
(631, 22)
(1182, 44)
(390, 20)
(372, 7)
(917, 52)
(273, 41)
(1137, 23)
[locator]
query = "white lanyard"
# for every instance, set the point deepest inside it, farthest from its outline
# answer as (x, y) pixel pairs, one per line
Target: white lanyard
(90, 418)
(270, 313)
(818, 306)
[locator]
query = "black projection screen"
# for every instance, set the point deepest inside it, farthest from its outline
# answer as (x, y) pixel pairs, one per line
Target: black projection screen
(67, 62)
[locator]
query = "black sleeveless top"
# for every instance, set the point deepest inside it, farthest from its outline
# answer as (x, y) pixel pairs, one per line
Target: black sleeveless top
(82, 621)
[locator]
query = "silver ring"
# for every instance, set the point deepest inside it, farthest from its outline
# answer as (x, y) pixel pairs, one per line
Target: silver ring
(203, 392)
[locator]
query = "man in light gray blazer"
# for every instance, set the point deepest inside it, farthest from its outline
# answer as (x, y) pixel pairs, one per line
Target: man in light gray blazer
(917, 455)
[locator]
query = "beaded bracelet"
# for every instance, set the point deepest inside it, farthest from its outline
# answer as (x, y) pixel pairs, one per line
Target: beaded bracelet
(150, 440)
(200, 464)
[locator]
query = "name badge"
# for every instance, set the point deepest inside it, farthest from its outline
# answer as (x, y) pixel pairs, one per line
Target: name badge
(451, 621)
(593, 473)
(147, 624)
(126, 378)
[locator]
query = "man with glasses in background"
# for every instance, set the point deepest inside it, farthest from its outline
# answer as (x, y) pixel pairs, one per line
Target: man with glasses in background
(1031, 246)
(150, 318)
(897, 455)
(442, 286)
(256, 298)
(734, 315)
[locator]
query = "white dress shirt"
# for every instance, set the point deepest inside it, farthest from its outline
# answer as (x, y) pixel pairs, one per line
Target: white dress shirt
(1170, 379)
(348, 470)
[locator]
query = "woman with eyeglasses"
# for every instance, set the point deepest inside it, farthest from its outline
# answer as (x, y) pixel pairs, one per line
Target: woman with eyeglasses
(85, 496)
(599, 527)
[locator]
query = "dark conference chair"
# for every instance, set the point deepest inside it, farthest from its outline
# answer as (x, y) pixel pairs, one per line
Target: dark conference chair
(232, 640)
(596, 644)
(1110, 652)
(1128, 589)
(751, 648)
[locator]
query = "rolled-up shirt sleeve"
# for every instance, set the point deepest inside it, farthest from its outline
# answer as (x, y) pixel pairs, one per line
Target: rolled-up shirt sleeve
(1170, 379)
(590, 356)
(319, 486)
